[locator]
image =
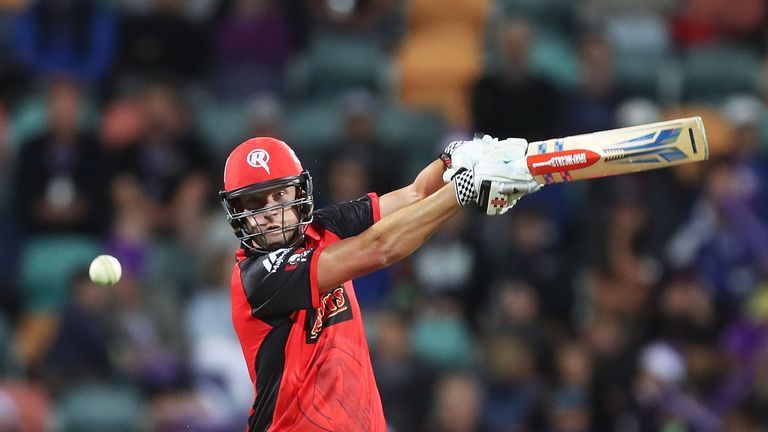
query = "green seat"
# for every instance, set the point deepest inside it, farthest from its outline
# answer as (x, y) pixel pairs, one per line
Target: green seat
(334, 64)
(47, 266)
(642, 73)
(222, 125)
(551, 55)
(99, 407)
(715, 71)
(31, 116)
(315, 124)
(418, 133)
(443, 340)
(555, 13)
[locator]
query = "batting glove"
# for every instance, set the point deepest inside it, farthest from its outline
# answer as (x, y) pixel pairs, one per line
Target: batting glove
(495, 185)
(460, 155)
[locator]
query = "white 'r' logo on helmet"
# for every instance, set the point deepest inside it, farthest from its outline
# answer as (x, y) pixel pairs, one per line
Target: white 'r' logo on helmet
(258, 159)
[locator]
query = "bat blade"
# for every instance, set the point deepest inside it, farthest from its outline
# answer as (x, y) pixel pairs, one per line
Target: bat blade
(618, 151)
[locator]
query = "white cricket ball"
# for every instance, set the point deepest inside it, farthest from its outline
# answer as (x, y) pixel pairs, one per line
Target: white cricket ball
(105, 270)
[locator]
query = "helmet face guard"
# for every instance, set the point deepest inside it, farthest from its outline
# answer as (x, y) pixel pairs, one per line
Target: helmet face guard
(254, 238)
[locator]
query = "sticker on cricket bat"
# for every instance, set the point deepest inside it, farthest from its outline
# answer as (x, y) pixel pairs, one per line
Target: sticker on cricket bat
(618, 151)
(561, 161)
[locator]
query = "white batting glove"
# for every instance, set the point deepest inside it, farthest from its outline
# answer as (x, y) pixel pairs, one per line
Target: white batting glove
(504, 176)
(495, 185)
(466, 154)
(460, 155)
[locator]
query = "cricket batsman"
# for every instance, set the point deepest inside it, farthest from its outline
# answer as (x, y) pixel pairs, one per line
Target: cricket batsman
(293, 302)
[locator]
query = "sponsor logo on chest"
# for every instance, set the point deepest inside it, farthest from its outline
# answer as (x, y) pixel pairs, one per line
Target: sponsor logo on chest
(334, 308)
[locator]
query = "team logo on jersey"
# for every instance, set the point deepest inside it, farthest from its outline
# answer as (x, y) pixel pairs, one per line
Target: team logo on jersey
(273, 261)
(334, 308)
(258, 158)
(299, 256)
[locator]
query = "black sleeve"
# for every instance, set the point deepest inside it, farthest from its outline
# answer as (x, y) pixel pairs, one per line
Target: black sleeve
(280, 282)
(350, 218)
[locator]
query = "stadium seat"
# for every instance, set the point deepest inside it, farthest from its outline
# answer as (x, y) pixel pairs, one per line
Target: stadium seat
(714, 71)
(334, 64)
(30, 118)
(313, 125)
(642, 52)
(552, 56)
(47, 266)
(440, 56)
(418, 132)
(99, 407)
(221, 124)
(443, 340)
(548, 13)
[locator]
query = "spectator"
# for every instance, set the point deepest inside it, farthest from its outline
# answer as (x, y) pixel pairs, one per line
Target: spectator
(405, 382)
(537, 118)
(569, 411)
(659, 396)
(162, 43)
(266, 116)
(72, 37)
(80, 349)
(360, 140)
(530, 254)
(170, 162)
(512, 388)
(457, 406)
(593, 104)
(253, 43)
(723, 215)
(220, 377)
(62, 175)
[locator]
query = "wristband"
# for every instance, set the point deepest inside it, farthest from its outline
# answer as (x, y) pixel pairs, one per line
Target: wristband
(445, 156)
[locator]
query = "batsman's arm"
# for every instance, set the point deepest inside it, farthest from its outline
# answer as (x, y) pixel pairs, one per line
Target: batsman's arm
(429, 181)
(392, 238)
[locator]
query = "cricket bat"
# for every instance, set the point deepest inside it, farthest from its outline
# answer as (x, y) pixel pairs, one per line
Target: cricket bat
(605, 153)
(618, 151)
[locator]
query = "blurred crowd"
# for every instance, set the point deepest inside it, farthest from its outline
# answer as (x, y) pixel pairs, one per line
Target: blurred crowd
(634, 303)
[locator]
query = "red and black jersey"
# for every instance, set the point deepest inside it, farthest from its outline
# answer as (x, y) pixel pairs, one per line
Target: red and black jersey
(306, 351)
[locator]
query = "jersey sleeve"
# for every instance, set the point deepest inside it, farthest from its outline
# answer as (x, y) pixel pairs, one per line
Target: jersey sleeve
(350, 218)
(281, 282)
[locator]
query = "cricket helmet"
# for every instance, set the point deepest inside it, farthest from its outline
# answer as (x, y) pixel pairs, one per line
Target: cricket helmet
(256, 166)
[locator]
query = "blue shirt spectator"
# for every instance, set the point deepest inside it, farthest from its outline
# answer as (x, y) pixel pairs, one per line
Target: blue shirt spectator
(71, 37)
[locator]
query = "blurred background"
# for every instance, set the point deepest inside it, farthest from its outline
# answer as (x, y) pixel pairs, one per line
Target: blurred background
(635, 303)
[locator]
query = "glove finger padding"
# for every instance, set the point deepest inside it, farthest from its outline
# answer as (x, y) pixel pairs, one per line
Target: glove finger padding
(466, 154)
(510, 149)
(460, 155)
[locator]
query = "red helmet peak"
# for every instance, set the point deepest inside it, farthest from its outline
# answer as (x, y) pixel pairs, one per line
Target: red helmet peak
(258, 160)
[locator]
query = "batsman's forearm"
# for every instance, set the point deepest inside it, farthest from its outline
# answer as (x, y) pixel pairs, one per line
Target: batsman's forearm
(430, 179)
(402, 232)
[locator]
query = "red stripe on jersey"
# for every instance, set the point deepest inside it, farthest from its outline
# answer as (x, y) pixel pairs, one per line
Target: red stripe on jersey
(375, 206)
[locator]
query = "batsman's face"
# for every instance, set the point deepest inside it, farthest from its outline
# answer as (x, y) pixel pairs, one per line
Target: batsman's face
(273, 219)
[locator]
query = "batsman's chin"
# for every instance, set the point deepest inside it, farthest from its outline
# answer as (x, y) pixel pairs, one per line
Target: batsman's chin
(277, 239)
